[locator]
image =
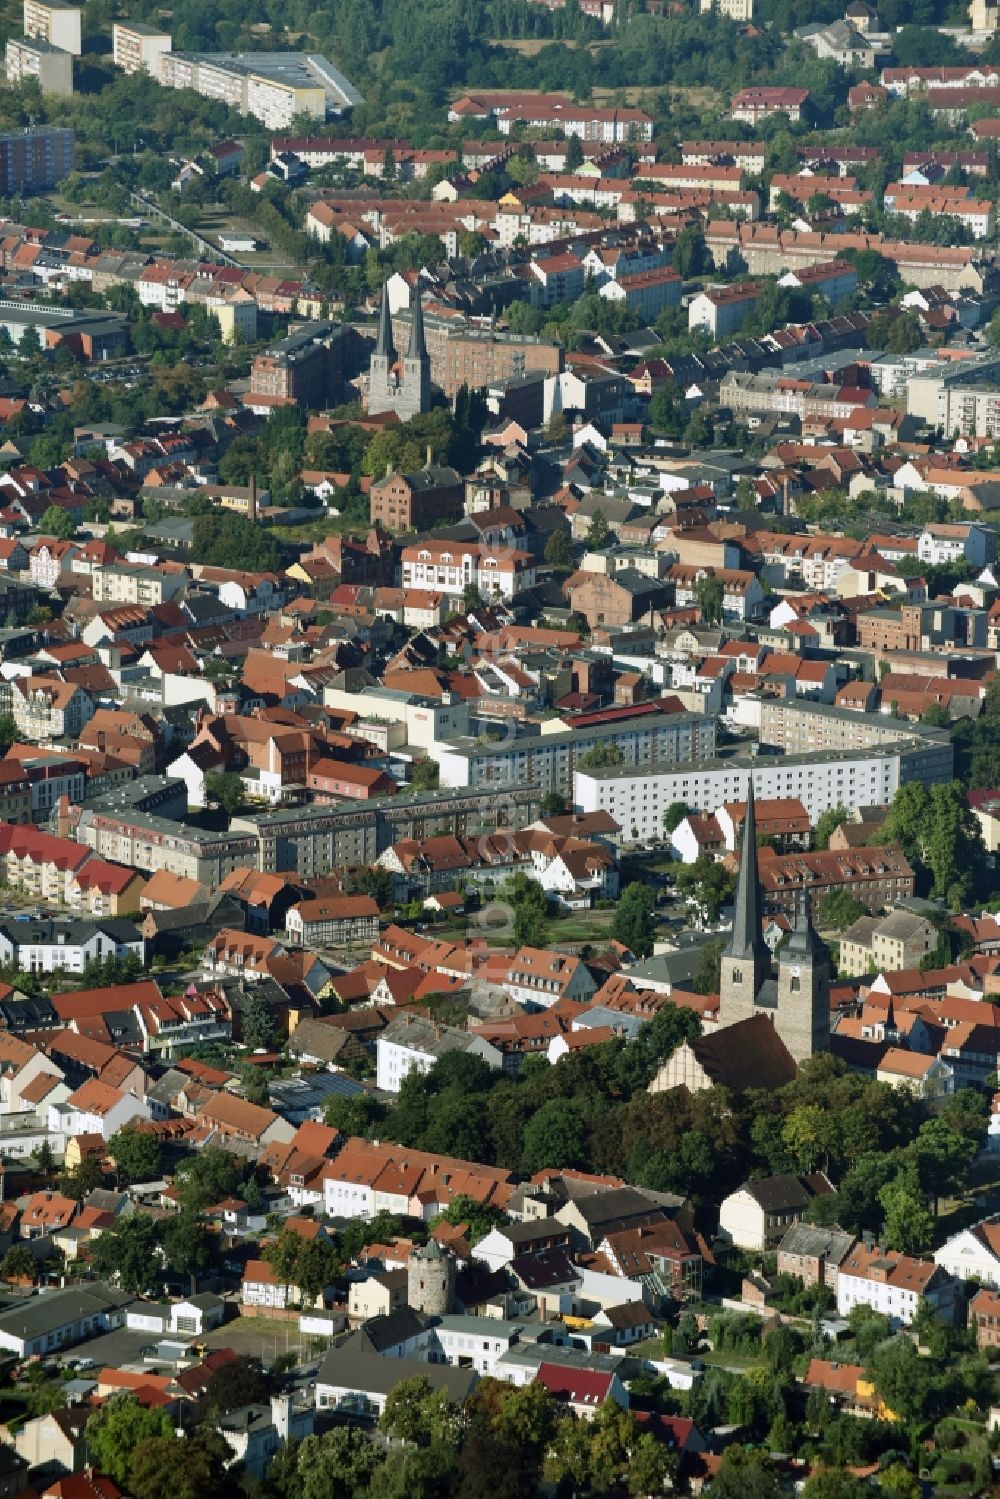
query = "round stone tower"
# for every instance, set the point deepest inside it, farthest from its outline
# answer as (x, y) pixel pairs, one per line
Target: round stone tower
(430, 1280)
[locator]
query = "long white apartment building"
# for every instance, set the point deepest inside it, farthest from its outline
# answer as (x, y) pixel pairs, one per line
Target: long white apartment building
(638, 798)
(549, 760)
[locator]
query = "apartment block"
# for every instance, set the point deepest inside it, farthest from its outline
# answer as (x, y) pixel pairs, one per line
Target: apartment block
(637, 799)
(550, 760)
(55, 22)
(137, 48)
(33, 57)
(275, 87)
(33, 160)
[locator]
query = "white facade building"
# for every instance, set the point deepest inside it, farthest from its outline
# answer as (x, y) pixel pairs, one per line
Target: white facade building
(638, 798)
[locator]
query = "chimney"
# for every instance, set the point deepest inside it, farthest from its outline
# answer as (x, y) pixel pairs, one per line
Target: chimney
(252, 501)
(786, 504)
(430, 456)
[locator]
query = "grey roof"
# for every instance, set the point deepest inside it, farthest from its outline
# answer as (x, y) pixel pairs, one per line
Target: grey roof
(354, 1366)
(831, 1244)
(861, 931)
(427, 1036)
(395, 1327)
(777, 1194)
(48, 1311)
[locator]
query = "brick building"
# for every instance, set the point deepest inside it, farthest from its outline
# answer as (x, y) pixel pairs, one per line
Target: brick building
(408, 502)
(878, 877)
(307, 367)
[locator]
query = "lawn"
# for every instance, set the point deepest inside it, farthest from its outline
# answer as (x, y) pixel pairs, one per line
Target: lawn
(736, 1361)
(575, 929)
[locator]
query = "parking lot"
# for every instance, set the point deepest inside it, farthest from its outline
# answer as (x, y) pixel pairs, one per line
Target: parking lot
(113, 1350)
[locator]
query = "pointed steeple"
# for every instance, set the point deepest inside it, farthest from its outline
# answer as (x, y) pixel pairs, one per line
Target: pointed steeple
(384, 347)
(747, 939)
(418, 346)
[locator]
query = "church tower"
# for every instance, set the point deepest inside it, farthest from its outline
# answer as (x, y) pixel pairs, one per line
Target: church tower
(416, 392)
(381, 371)
(402, 386)
(746, 962)
(803, 1018)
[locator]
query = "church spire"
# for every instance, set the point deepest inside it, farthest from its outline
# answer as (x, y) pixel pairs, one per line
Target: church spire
(384, 348)
(747, 939)
(418, 347)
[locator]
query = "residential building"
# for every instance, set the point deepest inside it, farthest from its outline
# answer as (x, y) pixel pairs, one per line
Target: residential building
(332, 921)
(34, 58)
(55, 22)
(876, 945)
(973, 1253)
(638, 798)
(761, 101)
(275, 87)
(36, 159)
(413, 1043)
(813, 1255)
(759, 1215)
(894, 1284)
(138, 48)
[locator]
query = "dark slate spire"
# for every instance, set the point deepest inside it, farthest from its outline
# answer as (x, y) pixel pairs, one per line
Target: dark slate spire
(418, 347)
(804, 941)
(384, 348)
(748, 939)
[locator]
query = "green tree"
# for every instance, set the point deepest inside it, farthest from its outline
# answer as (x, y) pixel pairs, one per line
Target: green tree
(84, 1177)
(909, 1222)
(831, 1484)
(257, 1022)
(828, 822)
(674, 816)
(633, 923)
(707, 885)
(896, 331)
(574, 153)
(556, 1135)
(709, 595)
(192, 1469)
(337, 1465)
(316, 1267)
(559, 551)
(19, 1264)
(207, 1178)
(8, 730)
(530, 905)
(425, 776)
(127, 1253)
(690, 255)
(707, 976)
(226, 788)
(556, 430)
(58, 522)
(188, 1246)
(838, 910)
(598, 531)
(415, 1413)
(137, 1155)
(240, 1382)
(115, 1430)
